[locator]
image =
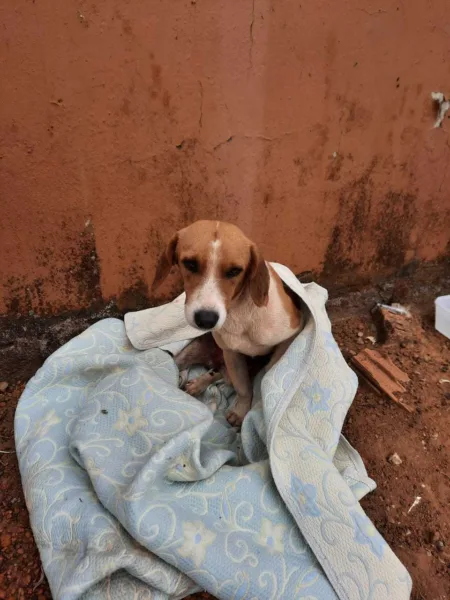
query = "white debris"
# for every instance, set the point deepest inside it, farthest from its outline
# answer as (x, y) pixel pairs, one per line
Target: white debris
(443, 105)
(395, 459)
(397, 309)
(417, 501)
(444, 380)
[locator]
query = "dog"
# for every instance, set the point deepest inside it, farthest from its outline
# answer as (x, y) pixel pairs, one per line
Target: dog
(235, 295)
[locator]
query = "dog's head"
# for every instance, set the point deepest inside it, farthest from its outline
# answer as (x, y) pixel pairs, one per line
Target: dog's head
(218, 264)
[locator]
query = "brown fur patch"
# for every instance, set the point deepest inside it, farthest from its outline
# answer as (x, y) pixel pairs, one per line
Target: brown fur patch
(259, 278)
(165, 263)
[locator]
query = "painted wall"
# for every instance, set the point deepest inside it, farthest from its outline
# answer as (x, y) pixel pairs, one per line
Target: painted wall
(309, 124)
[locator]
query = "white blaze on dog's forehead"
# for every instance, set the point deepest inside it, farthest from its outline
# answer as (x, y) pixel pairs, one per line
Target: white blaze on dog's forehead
(215, 245)
(211, 275)
(213, 263)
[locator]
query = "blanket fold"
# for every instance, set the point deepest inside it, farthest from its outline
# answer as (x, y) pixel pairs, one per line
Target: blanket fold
(137, 490)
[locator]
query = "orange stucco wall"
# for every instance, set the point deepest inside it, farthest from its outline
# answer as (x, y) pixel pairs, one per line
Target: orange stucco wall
(307, 123)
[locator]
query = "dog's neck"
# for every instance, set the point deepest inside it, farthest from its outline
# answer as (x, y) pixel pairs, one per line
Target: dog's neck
(255, 330)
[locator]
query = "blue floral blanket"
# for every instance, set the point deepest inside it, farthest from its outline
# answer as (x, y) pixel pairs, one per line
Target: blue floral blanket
(138, 491)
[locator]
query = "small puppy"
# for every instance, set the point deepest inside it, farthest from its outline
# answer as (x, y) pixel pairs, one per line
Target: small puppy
(234, 294)
(204, 351)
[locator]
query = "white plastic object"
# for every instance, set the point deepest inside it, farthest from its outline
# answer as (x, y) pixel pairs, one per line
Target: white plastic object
(442, 323)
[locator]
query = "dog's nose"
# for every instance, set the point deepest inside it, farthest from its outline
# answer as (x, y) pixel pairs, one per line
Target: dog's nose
(206, 319)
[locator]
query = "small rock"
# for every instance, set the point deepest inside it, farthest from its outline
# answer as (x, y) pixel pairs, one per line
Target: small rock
(440, 545)
(360, 334)
(435, 443)
(403, 344)
(395, 459)
(3, 386)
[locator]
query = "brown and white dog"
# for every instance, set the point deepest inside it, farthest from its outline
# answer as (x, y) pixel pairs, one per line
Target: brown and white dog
(234, 294)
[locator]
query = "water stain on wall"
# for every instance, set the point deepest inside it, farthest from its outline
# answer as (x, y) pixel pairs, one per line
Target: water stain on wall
(370, 229)
(74, 271)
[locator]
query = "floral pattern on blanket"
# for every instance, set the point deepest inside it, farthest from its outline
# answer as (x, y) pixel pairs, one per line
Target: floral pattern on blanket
(135, 489)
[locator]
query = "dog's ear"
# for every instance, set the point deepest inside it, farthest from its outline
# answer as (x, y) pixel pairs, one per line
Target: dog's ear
(258, 277)
(166, 261)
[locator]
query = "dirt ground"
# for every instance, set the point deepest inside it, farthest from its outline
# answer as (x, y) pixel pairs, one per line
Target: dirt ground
(377, 427)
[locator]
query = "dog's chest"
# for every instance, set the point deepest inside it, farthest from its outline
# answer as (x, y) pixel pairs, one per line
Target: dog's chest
(256, 331)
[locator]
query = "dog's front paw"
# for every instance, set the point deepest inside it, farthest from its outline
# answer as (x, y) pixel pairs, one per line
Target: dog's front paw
(236, 415)
(196, 387)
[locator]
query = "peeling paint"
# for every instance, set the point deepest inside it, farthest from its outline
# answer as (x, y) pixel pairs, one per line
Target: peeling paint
(443, 107)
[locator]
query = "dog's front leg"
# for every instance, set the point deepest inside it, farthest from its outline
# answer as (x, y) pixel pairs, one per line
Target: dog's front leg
(279, 352)
(237, 369)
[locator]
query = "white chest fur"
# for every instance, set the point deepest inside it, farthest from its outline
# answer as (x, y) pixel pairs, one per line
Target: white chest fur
(255, 331)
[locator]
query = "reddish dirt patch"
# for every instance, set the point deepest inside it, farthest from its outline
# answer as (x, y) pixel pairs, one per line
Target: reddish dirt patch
(375, 426)
(20, 566)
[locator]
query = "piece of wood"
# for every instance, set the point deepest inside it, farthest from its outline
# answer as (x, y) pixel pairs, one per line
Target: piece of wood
(392, 327)
(386, 365)
(366, 380)
(384, 374)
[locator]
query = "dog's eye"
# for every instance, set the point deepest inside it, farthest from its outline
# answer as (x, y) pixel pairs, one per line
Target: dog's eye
(233, 272)
(191, 265)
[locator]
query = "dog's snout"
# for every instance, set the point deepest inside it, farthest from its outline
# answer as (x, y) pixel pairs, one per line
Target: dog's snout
(206, 319)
